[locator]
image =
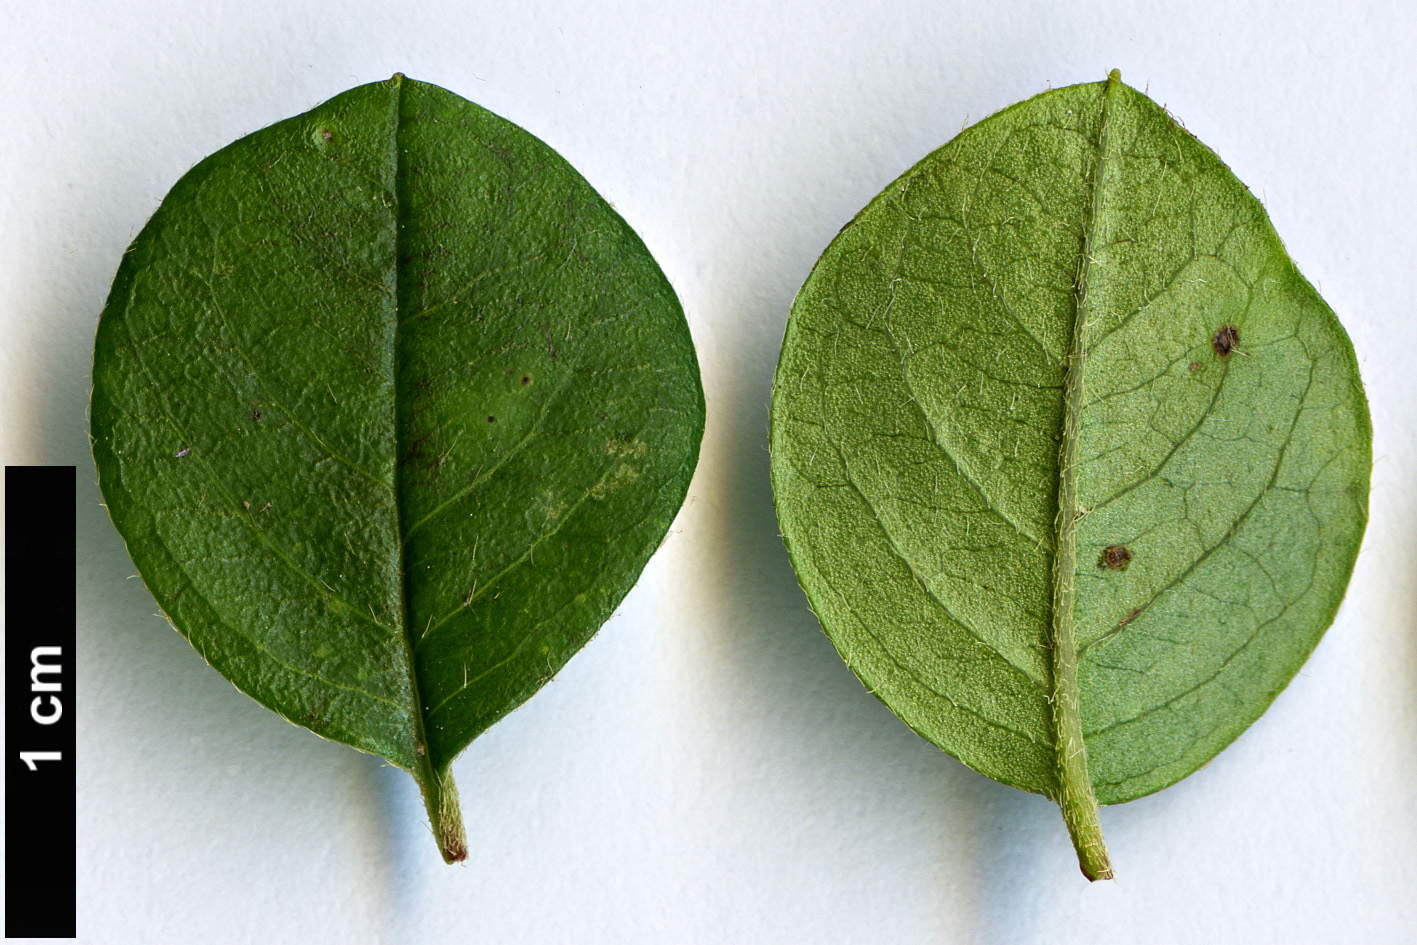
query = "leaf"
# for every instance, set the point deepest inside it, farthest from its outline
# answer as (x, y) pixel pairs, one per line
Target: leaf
(1071, 462)
(391, 409)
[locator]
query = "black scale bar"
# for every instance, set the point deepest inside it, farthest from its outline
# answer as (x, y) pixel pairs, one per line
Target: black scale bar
(40, 844)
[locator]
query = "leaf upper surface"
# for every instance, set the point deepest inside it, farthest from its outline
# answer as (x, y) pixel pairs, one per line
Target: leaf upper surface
(919, 410)
(391, 408)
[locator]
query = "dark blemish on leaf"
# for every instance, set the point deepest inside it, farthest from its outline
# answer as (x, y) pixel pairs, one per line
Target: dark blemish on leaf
(1136, 612)
(264, 507)
(314, 717)
(327, 134)
(526, 380)
(1194, 367)
(183, 452)
(1115, 558)
(1225, 340)
(491, 419)
(255, 415)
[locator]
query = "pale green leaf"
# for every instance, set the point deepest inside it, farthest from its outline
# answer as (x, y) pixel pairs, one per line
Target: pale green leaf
(1067, 454)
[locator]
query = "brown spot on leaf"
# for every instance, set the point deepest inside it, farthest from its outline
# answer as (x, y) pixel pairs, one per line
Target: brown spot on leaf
(255, 415)
(1225, 340)
(1115, 558)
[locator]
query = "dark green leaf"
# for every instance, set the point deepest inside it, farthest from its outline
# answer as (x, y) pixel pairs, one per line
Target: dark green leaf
(1071, 461)
(391, 409)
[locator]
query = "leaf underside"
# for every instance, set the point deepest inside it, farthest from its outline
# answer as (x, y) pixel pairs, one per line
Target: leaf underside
(391, 408)
(920, 410)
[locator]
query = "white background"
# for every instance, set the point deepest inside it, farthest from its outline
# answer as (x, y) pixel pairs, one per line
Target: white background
(708, 770)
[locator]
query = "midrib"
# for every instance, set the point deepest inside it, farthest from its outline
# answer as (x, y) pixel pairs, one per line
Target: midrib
(1076, 796)
(401, 203)
(439, 792)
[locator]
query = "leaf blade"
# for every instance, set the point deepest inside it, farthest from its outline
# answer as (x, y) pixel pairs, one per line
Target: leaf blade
(293, 377)
(918, 412)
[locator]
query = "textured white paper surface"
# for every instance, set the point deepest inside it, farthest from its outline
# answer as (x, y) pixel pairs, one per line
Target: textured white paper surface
(708, 770)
